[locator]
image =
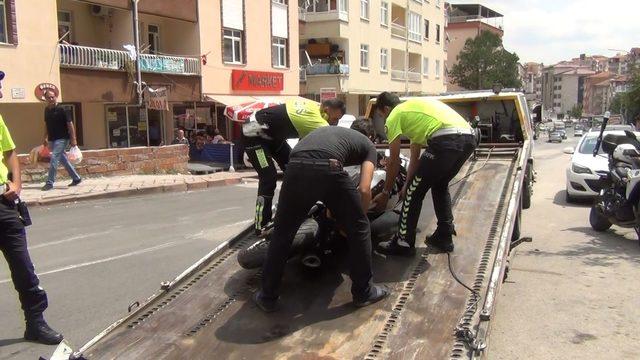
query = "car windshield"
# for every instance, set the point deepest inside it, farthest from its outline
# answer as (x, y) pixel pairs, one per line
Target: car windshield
(587, 146)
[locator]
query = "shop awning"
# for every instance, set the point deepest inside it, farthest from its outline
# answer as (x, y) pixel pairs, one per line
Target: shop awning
(232, 100)
(229, 100)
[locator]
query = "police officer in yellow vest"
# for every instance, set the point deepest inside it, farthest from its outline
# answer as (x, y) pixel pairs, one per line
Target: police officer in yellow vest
(13, 244)
(449, 142)
(294, 119)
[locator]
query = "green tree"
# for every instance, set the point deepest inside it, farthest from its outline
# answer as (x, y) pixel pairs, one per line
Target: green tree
(576, 111)
(628, 103)
(483, 62)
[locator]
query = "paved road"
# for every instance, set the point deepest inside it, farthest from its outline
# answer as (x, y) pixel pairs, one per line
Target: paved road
(95, 258)
(573, 292)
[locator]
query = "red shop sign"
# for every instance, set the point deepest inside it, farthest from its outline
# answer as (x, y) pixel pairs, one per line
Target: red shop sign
(41, 89)
(257, 80)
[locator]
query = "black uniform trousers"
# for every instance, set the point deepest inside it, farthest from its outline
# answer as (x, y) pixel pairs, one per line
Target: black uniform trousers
(440, 162)
(13, 243)
(262, 152)
(303, 186)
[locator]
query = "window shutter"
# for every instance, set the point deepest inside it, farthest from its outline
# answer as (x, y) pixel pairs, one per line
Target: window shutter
(279, 21)
(232, 14)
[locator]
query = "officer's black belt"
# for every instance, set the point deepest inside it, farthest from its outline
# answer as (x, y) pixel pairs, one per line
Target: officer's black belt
(331, 164)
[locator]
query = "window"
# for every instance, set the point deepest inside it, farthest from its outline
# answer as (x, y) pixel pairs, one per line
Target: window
(233, 31)
(153, 35)
(4, 36)
(437, 3)
(283, 2)
(437, 34)
(437, 69)
(232, 47)
(426, 29)
(364, 9)
(384, 13)
(279, 52)
(344, 7)
(425, 66)
(364, 56)
(415, 21)
(64, 25)
(384, 60)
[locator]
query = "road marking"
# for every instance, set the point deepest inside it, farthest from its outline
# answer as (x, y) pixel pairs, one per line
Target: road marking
(217, 233)
(73, 238)
(76, 266)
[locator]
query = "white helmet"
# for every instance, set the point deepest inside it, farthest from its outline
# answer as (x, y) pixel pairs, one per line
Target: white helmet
(625, 153)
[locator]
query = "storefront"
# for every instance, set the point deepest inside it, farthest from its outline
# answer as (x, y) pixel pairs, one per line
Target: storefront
(130, 125)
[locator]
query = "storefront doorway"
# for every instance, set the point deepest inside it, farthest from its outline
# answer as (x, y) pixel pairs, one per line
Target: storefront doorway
(130, 125)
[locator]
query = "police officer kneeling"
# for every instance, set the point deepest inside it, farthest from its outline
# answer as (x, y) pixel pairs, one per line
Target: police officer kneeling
(315, 173)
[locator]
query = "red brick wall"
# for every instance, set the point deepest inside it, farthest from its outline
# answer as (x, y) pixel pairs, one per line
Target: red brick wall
(112, 162)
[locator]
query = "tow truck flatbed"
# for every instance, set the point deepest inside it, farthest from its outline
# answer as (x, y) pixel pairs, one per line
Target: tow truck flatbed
(206, 313)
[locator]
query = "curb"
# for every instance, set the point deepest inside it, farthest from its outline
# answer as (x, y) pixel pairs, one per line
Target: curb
(180, 187)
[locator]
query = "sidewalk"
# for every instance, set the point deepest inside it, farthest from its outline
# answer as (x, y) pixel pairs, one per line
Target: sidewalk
(120, 186)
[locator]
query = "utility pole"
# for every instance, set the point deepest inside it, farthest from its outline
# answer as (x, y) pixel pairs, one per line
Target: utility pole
(136, 42)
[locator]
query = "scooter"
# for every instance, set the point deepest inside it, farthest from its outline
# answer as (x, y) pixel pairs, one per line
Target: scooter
(317, 235)
(619, 197)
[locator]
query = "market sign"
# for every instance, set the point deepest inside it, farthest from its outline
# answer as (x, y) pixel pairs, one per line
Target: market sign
(257, 80)
(158, 99)
(41, 89)
(328, 94)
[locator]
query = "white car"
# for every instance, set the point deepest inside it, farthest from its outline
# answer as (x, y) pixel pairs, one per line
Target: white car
(583, 173)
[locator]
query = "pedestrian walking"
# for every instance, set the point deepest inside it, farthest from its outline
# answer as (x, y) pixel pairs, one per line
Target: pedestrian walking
(449, 141)
(59, 134)
(294, 119)
(315, 173)
(13, 243)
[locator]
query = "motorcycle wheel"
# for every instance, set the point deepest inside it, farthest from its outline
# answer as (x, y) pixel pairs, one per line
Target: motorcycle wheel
(598, 221)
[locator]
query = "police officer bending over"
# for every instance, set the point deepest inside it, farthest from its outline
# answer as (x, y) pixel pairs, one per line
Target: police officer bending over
(449, 140)
(294, 119)
(315, 173)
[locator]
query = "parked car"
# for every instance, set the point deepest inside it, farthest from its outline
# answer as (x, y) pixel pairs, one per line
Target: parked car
(555, 136)
(583, 173)
(578, 131)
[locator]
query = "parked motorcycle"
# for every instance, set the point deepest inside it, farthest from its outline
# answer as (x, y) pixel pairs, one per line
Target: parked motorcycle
(317, 236)
(619, 196)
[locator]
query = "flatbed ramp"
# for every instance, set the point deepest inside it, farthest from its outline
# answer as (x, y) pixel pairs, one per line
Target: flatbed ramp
(207, 314)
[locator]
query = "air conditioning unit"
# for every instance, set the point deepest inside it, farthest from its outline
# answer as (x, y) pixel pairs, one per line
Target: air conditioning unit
(100, 11)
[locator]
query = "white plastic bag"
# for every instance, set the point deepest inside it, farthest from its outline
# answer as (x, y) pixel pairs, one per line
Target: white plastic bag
(74, 155)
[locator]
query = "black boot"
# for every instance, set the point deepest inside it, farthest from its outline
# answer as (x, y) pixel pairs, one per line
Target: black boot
(396, 246)
(376, 293)
(39, 331)
(441, 239)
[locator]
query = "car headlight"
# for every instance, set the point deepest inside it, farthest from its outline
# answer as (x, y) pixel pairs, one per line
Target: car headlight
(580, 169)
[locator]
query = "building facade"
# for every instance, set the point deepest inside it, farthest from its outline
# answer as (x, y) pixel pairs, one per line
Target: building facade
(355, 49)
(196, 56)
(563, 87)
(532, 81)
(466, 22)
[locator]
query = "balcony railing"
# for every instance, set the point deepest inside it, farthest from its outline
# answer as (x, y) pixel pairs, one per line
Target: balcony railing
(412, 76)
(323, 10)
(327, 69)
(85, 57)
(398, 30)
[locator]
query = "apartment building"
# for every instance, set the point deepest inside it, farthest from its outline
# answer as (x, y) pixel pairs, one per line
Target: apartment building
(563, 86)
(196, 56)
(466, 21)
(355, 49)
(532, 81)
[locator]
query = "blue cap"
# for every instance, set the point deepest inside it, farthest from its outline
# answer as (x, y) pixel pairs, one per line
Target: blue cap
(1, 74)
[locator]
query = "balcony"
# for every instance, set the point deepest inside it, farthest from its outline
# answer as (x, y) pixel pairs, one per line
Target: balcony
(411, 76)
(327, 69)
(398, 30)
(324, 10)
(84, 57)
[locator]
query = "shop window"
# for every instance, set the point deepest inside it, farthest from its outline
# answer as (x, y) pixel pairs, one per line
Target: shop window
(128, 126)
(279, 53)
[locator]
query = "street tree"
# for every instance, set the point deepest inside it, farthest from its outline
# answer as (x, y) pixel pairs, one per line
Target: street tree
(483, 62)
(628, 103)
(576, 111)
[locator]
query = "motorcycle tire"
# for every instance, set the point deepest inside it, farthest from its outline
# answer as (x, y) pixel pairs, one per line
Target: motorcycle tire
(253, 256)
(598, 221)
